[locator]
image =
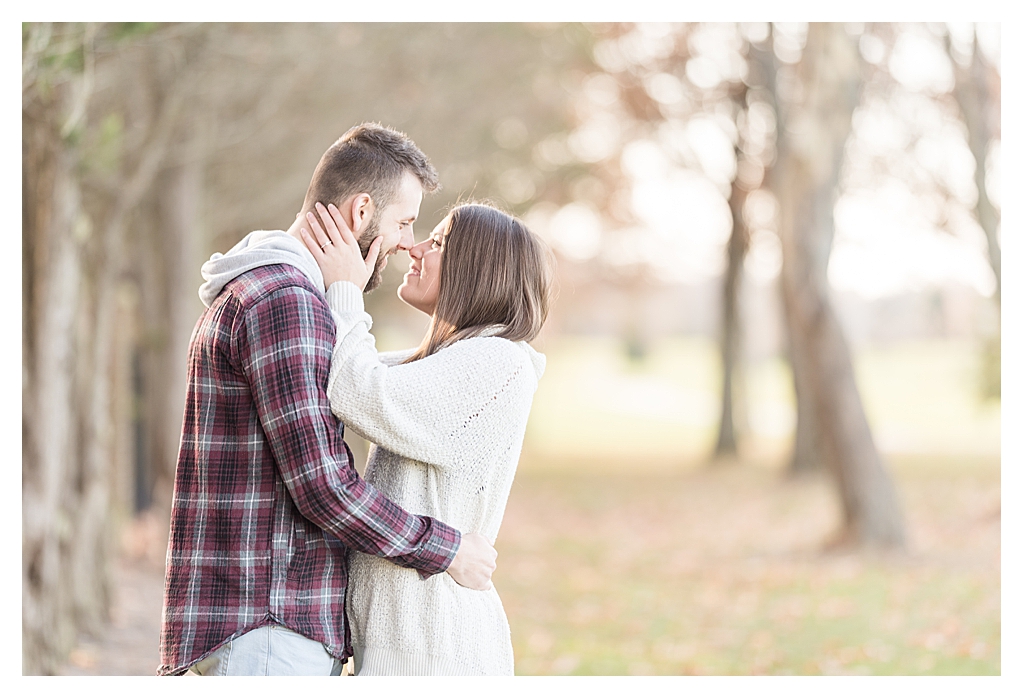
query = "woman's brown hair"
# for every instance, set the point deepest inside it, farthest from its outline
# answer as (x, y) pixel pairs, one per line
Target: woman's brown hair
(494, 272)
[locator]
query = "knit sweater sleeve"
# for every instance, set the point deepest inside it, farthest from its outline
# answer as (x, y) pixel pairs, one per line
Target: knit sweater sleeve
(450, 409)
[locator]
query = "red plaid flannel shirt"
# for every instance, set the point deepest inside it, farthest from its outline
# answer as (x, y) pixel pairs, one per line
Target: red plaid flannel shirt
(266, 500)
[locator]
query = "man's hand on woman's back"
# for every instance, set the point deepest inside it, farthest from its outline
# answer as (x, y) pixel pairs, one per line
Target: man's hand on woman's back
(474, 562)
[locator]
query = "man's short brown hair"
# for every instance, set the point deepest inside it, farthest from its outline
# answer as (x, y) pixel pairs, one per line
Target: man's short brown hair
(369, 158)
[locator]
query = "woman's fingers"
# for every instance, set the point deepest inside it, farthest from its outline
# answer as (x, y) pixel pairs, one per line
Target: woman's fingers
(337, 226)
(333, 234)
(336, 249)
(342, 225)
(318, 232)
(310, 242)
(373, 252)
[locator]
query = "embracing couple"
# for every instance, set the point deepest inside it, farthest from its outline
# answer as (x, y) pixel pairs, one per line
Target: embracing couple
(282, 560)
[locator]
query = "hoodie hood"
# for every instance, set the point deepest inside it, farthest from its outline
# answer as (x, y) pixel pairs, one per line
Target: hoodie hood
(259, 248)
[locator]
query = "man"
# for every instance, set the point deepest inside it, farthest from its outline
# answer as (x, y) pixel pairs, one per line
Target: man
(266, 499)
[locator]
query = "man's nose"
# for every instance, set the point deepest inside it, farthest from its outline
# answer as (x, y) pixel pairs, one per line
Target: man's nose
(407, 240)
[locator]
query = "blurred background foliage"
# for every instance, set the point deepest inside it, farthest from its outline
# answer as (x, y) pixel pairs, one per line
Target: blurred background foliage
(774, 364)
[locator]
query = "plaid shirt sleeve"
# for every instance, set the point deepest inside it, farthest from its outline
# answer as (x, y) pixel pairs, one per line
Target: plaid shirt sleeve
(285, 343)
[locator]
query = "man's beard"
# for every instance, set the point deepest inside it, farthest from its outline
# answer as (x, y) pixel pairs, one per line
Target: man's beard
(365, 240)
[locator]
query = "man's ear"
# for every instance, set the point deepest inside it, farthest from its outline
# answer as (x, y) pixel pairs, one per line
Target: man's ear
(362, 210)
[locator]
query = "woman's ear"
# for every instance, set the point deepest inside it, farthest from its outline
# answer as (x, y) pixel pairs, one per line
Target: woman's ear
(362, 211)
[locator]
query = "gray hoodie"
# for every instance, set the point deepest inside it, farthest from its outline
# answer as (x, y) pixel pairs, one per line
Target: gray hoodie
(259, 248)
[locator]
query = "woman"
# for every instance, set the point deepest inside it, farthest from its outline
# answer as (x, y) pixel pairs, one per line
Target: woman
(447, 420)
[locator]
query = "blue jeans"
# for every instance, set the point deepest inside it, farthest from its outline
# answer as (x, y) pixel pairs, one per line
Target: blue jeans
(271, 650)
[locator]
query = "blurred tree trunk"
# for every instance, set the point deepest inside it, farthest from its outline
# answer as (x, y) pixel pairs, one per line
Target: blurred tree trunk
(68, 357)
(807, 454)
(807, 451)
(53, 270)
(170, 256)
(731, 320)
(75, 338)
(811, 141)
(977, 91)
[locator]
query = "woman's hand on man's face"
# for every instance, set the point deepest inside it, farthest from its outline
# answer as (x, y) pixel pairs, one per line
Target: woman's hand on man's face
(336, 249)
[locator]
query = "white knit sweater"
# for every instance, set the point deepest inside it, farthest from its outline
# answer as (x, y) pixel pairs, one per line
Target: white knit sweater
(448, 432)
